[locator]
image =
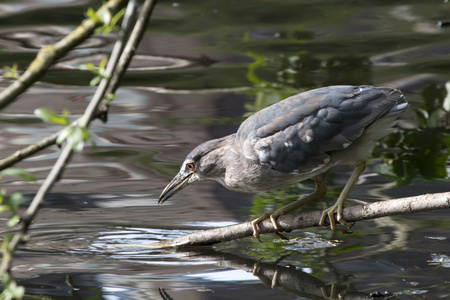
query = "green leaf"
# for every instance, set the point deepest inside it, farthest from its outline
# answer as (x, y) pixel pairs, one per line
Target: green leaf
(13, 220)
(110, 97)
(10, 288)
(99, 71)
(95, 80)
(19, 292)
(76, 136)
(14, 201)
(19, 173)
(11, 72)
(17, 199)
(50, 116)
(102, 65)
(63, 135)
(91, 14)
(88, 66)
(117, 16)
(3, 208)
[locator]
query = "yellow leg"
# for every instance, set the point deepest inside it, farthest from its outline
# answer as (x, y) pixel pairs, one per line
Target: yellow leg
(318, 193)
(339, 205)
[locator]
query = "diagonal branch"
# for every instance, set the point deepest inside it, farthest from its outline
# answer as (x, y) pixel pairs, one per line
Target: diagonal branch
(121, 65)
(288, 223)
(53, 176)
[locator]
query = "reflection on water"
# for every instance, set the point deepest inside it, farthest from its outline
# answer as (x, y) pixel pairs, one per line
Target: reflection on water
(199, 69)
(117, 260)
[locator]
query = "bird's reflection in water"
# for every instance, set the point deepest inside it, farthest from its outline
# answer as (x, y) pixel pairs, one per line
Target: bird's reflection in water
(286, 278)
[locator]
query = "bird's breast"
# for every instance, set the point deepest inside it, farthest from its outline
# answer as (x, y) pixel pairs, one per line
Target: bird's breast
(259, 178)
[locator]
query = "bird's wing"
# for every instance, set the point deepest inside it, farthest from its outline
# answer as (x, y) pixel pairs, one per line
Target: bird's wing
(299, 133)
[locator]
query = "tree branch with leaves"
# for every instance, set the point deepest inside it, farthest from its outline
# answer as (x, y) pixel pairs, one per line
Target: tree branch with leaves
(73, 136)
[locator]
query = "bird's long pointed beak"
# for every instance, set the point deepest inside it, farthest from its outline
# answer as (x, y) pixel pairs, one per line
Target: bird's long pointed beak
(179, 182)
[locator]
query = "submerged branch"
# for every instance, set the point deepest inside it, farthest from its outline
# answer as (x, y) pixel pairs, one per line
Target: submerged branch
(311, 219)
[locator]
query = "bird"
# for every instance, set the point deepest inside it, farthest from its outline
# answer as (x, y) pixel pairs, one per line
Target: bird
(296, 139)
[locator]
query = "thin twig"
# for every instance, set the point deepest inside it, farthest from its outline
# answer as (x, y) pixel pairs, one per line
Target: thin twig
(122, 64)
(44, 60)
(31, 149)
(310, 219)
(129, 50)
(63, 159)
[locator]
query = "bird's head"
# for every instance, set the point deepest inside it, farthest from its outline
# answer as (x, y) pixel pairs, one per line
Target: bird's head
(206, 161)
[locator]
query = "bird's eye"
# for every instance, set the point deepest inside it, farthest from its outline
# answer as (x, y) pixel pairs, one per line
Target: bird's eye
(190, 166)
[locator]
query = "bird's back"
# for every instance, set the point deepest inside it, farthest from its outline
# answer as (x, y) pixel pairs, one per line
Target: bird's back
(301, 133)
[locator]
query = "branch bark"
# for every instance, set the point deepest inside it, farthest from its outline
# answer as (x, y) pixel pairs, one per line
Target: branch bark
(288, 223)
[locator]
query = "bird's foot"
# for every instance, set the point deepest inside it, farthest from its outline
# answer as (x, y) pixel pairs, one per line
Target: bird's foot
(273, 219)
(255, 223)
(337, 209)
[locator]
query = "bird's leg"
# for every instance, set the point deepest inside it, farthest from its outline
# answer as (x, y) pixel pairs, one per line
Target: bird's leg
(318, 193)
(339, 205)
(255, 223)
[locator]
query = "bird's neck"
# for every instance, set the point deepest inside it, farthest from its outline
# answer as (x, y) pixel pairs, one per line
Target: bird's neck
(232, 167)
(215, 162)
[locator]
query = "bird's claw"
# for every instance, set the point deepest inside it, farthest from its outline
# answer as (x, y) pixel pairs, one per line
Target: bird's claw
(255, 223)
(336, 209)
(273, 219)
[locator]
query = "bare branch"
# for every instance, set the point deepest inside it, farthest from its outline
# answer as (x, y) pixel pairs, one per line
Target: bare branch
(129, 50)
(29, 150)
(311, 219)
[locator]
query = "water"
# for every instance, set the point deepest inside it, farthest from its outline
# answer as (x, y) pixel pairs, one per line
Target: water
(201, 66)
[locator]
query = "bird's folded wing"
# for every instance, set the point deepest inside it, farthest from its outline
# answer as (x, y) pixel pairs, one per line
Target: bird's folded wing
(298, 134)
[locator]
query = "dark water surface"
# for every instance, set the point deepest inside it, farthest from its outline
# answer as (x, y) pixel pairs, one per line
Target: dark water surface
(201, 67)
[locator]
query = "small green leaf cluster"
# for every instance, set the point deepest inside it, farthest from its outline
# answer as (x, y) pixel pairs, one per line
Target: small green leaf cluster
(11, 289)
(98, 71)
(420, 153)
(13, 202)
(106, 18)
(11, 72)
(75, 135)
